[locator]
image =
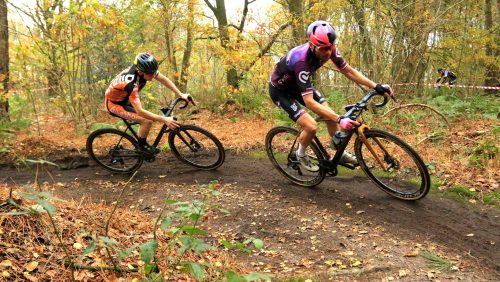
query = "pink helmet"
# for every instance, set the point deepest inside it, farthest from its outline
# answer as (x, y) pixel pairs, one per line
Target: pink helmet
(321, 33)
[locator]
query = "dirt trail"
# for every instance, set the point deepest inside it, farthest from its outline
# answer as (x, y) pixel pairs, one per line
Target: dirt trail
(255, 188)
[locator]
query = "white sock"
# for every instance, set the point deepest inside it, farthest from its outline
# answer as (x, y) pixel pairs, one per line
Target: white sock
(301, 151)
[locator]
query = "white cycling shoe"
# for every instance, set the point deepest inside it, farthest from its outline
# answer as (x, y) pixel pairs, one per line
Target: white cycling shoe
(307, 164)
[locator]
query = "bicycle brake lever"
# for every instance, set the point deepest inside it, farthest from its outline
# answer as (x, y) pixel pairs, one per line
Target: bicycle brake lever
(190, 98)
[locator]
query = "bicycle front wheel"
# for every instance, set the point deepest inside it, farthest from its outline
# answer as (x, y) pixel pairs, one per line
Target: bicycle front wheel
(197, 147)
(114, 150)
(393, 165)
(281, 150)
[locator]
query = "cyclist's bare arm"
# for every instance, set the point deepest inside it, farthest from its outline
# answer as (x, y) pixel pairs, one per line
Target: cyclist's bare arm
(319, 109)
(359, 78)
(169, 121)
(170, 85)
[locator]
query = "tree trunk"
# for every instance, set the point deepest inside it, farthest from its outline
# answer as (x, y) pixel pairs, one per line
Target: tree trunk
(295, 7)
(491, 69)
(4, 61)
(366, 44)
(54, 72)
(219, 11)
(189, 47)
(169, 43)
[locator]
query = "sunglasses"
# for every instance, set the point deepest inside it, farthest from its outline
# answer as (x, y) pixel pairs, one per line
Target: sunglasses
(322, 48)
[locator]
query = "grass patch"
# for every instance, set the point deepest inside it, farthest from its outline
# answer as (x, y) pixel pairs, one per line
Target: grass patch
(458, 104)
(435, 261)
(258, 155)
(464, 194)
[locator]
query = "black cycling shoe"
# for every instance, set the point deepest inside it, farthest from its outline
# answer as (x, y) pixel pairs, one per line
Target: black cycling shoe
(150, 149)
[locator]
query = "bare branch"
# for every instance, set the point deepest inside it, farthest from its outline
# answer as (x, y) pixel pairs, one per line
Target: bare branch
(419, 105)
(244, 15)
(269, 45)
(210, 6)
(236, 27)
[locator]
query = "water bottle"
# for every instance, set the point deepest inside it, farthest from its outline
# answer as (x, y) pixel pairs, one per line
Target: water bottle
(338, 139)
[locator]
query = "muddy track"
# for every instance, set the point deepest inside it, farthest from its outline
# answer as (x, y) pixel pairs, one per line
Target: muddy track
(434, 218)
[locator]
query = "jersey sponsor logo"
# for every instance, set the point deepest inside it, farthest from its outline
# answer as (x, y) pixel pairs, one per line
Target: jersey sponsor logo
(294, 107)
(298, 113)
(304, 76)
(282, 80)
(123, 80)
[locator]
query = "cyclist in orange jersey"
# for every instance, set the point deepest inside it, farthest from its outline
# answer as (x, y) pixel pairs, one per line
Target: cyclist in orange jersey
(122, 96)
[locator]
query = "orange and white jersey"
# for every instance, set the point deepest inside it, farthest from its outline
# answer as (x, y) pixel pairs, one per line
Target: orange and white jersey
(125, 86)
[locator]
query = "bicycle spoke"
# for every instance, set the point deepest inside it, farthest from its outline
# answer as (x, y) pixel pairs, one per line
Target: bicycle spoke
(114, 150)
(393, 165)
(281, 146)
(197, 147)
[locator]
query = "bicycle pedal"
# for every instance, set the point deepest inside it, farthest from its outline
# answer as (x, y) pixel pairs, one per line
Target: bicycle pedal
(150, 159)
(349, 166)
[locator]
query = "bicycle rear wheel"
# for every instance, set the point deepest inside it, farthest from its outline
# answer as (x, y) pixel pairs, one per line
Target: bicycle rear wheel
(114, 150)
(393, 165)
(197, 147)
(279, 142)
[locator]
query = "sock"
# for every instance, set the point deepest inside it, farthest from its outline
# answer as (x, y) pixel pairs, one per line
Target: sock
(142, 141)
(301, 151)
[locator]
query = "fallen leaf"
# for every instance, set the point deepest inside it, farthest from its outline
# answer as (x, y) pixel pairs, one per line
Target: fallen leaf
(31, 266)
(356, 263)
(6, 274)
(77, 246)
(6, 263)
(411, 254)
(402, 273)
(30, 277)
(329, 262)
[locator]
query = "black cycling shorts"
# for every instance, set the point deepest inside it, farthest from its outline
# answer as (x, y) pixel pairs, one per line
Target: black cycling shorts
(287, 101)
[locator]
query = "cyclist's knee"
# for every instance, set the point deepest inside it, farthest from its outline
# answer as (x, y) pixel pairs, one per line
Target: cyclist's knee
(146, 122)
(311, 127)
(308, 123)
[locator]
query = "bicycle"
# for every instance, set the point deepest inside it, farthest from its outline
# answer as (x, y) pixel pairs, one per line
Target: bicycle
(119, 151)
(389, 162)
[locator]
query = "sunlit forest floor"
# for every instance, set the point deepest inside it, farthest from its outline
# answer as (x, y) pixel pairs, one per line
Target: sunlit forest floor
(342, 232)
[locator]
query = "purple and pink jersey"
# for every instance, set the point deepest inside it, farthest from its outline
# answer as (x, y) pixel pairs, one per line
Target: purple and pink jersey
(293, 72)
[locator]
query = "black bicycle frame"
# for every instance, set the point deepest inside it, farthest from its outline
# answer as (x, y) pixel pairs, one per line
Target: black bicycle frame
(353, 112)
(164, 129)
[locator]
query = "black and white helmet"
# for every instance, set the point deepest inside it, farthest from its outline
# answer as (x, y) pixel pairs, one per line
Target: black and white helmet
(146, 63)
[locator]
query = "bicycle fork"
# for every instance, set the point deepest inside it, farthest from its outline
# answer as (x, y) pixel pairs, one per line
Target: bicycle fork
(387, 158)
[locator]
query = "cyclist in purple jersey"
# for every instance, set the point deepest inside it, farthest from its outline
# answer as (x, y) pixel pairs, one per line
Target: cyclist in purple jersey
(446, 77)
(291, 83)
